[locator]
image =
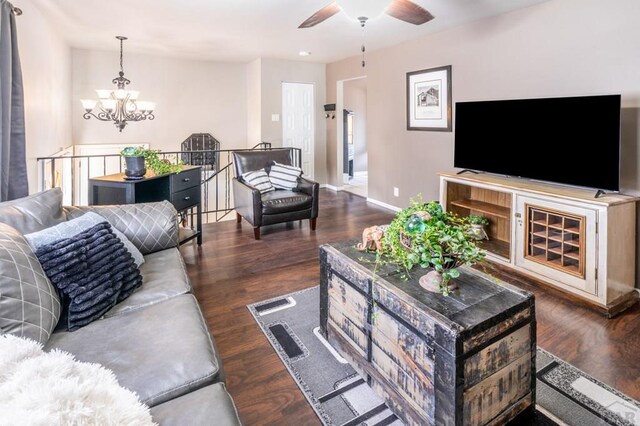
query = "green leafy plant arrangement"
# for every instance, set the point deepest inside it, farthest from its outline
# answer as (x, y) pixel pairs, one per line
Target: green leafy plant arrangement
(424, 235)
(476, 219)
(152, 160)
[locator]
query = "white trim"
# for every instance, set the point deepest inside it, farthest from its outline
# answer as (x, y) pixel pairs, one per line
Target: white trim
(381, 204)
(336, 355)
(331, 187)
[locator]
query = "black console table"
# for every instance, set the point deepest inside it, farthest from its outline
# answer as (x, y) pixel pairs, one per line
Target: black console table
(181, 189)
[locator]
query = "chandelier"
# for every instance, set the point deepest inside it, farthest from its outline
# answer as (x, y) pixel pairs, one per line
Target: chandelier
(119, 105)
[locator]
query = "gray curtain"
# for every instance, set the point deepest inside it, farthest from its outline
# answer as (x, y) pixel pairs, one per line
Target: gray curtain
(13, 164)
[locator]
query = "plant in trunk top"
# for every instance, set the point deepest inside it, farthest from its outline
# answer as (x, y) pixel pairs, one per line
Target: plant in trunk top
(425, 235)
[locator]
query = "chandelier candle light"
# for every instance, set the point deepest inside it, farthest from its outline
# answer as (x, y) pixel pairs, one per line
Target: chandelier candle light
(119, 105)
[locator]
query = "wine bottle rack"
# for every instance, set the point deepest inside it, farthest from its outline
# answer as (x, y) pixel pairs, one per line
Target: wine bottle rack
(556, 239)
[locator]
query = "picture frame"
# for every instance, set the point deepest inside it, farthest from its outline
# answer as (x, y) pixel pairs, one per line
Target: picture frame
(429, 103)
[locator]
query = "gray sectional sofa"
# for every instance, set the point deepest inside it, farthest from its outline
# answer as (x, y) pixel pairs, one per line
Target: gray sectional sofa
(156, 342)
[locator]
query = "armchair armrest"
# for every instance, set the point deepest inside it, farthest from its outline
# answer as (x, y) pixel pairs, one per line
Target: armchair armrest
(248, 202)
(149, 226)
(311, 188)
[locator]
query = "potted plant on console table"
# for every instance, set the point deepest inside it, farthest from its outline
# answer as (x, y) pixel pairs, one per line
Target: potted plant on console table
(424, 235)
(136, 158)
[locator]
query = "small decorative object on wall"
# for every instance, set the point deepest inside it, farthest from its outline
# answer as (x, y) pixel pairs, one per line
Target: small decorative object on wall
(429, 99)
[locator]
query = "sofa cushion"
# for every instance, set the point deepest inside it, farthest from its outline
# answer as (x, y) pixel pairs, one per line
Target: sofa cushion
(35, 212)
(283, 201)
(92, 271)
(150, 227)
(211, 405)
(283, 176)
(160, 352)
(29, 303)
(163, 277)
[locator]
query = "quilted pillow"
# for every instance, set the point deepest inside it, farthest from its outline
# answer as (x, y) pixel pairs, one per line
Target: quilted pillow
(75, 226)
(259, 180)
(29, 304)
(92, 271)
(283, 176)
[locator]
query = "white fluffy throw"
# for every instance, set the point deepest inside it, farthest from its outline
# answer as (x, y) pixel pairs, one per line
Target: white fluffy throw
(40, 388)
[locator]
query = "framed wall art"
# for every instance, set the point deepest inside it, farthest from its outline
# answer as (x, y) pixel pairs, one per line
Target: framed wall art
(429, 99)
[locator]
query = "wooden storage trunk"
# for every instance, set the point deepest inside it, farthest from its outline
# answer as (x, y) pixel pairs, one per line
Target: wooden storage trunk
(468, 358)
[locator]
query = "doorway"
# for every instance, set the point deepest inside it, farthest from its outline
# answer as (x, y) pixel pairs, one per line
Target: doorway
(355, 174)
(298, 126)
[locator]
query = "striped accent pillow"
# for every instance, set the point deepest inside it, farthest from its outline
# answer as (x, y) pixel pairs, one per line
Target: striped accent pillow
(259, 179)
(283, 176)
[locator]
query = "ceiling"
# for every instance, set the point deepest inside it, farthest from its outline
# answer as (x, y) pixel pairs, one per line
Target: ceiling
(243, 30)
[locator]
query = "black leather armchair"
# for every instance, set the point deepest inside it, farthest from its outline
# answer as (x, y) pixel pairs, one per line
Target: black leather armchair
(276, 206)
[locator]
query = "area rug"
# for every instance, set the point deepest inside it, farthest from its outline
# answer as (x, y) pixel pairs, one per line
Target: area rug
(339, 396)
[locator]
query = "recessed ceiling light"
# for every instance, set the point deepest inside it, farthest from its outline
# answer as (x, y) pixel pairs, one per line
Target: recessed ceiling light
(304, 53)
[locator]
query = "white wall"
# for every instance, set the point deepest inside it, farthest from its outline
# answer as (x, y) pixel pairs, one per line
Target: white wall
(46, 72)
(556, 48)
(191, 96)
(254, 103)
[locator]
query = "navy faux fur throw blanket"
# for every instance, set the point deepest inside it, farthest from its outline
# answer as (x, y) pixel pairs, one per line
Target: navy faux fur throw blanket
(92, 271)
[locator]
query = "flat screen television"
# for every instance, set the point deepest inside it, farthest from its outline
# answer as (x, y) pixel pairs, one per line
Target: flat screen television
(573, 141)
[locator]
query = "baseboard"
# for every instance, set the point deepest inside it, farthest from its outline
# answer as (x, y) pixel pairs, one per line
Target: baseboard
(385, 205)
(331, 187)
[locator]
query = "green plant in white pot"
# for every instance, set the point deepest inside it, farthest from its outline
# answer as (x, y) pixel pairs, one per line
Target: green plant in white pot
(477, 225)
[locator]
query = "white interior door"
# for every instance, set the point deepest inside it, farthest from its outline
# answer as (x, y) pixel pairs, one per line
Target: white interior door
(298, 125)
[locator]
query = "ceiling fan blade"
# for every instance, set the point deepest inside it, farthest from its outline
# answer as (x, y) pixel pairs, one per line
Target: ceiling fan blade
(323, 14)
(408, 11)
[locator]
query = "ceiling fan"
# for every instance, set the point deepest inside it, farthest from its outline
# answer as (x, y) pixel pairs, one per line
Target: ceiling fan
(362, 10)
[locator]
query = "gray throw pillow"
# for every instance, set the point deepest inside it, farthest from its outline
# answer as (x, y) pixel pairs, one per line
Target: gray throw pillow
(29, 304)
(75, 226)
(35, 212)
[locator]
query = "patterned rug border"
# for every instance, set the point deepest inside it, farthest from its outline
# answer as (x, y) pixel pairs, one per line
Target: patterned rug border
(557, 363)
(315, 405)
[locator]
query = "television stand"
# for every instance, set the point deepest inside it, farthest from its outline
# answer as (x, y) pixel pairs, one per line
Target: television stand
(560, 235)
(467, 170)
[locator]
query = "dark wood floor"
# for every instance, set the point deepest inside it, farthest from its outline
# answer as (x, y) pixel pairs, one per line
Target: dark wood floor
(231, 270)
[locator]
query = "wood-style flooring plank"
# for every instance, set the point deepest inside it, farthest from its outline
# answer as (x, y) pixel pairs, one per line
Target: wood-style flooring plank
(231, 270)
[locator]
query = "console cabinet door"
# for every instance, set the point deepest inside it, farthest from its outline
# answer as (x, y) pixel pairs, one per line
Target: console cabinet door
(557, 241)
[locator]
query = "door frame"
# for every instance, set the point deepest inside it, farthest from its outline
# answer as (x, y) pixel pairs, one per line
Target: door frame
(310, 174)
(340, 130)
